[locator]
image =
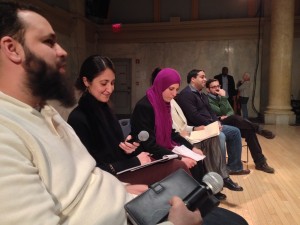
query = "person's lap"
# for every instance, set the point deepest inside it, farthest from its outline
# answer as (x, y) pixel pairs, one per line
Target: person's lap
(221, 216)
(215, 159)
(151, 174)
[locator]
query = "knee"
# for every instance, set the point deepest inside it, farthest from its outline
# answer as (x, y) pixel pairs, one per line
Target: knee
(236, 132)
(222, 138)
(178, 164)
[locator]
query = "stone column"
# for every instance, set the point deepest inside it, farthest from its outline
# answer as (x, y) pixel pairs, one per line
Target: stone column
(281, 50)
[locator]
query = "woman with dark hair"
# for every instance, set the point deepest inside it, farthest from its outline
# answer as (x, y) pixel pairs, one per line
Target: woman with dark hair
(100, 131)
(153, 114)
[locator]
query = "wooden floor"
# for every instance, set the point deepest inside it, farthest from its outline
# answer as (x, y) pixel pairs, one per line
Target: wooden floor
(271, 199)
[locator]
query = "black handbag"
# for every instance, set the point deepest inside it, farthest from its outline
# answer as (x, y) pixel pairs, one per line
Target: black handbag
(153, 206)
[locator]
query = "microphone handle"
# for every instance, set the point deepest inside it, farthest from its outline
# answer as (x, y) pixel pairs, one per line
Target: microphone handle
(202, 199)
(196, 198)
(210, 203)
(133, 140)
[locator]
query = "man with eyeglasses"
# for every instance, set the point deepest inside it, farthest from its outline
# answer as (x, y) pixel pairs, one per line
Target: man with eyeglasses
(228, 84)
(220, 105)
(197, 111)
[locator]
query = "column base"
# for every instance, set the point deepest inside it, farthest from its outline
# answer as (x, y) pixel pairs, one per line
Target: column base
(277, 118)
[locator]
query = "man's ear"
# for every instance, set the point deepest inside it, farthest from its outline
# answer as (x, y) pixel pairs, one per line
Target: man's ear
(11, 48)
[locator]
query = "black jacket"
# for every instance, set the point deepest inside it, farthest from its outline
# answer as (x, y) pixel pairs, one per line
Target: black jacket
(143, 118)
(100, 132)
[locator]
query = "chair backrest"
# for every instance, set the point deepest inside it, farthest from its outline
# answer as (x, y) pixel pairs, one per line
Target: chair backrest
(126, 126)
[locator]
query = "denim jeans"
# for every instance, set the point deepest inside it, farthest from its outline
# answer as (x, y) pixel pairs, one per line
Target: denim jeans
(243, 103)
(232, 136)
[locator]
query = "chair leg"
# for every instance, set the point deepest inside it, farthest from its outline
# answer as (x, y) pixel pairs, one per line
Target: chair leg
(247, 156)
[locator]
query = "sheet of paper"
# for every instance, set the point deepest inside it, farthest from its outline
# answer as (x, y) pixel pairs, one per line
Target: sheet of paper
(184, 151)
(209, 131)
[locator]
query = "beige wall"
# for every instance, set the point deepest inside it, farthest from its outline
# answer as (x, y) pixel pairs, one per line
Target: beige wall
(207, 45)
(238, 55)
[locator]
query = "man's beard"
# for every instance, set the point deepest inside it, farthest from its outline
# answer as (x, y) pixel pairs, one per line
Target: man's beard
(46, 82)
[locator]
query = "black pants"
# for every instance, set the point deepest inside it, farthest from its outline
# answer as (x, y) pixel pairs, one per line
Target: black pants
(248, 131)
(198, 171)
(220, 216)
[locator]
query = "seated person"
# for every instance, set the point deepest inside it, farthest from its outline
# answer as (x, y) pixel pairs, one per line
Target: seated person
(211, 148)
(220, 105)
(46, 175)
(100, 131)
(227, 81)
(197, 111)
(152, 113)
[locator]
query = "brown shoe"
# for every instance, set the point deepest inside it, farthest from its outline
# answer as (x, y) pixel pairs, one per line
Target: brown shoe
(265, 167)
(266, 133)
(241, 172)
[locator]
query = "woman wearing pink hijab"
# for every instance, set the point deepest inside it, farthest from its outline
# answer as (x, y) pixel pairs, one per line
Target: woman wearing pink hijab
(153, 114)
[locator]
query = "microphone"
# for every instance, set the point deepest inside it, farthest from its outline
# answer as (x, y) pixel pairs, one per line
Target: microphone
(214, 182)
(142, 136)
(203, 197)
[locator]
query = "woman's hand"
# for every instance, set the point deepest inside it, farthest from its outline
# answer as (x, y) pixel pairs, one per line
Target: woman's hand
(197, 150)
(179, 214)
(184, 133)
(144, 158)
(128, 147)
(190, 163)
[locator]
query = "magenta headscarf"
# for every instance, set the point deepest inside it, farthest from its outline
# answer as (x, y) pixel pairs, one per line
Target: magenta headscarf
(162, 110)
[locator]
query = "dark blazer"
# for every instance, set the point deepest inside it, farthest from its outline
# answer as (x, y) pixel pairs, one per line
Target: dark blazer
(195, 107)
(143, 118)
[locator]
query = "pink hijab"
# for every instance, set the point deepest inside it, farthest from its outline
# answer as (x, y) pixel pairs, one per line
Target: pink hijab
(162, 110)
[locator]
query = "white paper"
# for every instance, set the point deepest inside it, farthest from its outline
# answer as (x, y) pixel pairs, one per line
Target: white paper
(184, 151)
(209, 131)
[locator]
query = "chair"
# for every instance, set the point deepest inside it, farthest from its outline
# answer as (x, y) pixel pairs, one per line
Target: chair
(247, 155)
(126, 126)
